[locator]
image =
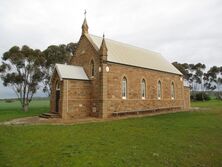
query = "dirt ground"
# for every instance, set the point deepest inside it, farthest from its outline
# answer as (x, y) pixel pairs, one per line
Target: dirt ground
(58, 121)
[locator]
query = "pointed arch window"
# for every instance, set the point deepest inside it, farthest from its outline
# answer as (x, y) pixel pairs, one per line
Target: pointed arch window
(124, 88)
(172, 91)
(92, 68)
(143, 89)
(159, 90)
(57, 85)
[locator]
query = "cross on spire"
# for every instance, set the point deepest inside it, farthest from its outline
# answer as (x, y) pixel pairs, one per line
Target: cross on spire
(85, 13)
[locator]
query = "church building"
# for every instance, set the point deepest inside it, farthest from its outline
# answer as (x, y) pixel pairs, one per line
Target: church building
(107, 78)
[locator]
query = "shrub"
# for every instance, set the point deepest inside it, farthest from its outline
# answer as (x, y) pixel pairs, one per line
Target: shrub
(192, 97)
(200, 96)
(219, 97)
(9, 101)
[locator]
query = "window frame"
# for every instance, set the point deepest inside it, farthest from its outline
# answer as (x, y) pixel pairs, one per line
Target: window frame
(124, 88)
(172, 91)
(92, 68)
(143, 89)
(159, 90)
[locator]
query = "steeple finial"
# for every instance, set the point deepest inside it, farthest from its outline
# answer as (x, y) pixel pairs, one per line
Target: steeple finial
(103, 49)
(85, 13)
(85, 25)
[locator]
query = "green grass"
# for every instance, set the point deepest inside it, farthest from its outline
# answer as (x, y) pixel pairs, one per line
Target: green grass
(13, 110)
(186, 139)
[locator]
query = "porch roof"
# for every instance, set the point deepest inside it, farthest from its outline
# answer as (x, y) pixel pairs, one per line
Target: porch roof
(71, 72)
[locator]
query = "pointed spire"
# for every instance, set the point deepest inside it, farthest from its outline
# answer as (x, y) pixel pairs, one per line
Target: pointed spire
(103, 49)
(85, 25)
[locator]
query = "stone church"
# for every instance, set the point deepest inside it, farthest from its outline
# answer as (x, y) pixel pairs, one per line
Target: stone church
(106, 78)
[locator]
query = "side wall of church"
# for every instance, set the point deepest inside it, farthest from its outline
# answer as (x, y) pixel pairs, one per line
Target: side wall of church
(134, 99)
(186, 98)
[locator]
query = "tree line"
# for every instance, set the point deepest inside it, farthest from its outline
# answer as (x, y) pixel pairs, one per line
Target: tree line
(25, 70)
(200, 79)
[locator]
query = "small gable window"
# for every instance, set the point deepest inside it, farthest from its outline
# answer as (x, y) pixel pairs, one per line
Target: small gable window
(172, 91)
(143, 89)
(159, 90)
(124, 88)
(92, 68)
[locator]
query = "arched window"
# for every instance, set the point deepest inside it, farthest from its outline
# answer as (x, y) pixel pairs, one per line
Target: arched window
(159, 91)
(92, 66)
(143, 89)
(172, 91)
(57, 85)
(124, 87)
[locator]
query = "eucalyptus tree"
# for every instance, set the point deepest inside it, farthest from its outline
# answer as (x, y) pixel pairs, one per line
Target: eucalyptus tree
(184, 69)
(192, 69)
(212, 78)
(21, 70)
(52, 55)
(199, 73)
(219, 81)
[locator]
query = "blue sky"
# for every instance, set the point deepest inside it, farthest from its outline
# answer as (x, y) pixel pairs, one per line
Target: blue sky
(184, 31)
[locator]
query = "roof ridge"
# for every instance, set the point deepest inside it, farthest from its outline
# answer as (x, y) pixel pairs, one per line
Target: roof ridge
(130, 45)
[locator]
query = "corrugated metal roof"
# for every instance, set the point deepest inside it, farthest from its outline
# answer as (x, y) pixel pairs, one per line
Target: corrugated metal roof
(130, 55)
(71, 72)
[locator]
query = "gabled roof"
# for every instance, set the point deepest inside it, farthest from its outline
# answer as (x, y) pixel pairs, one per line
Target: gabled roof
(130, 55)
(70, 72)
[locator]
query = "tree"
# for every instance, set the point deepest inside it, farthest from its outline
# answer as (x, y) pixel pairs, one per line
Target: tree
(181, 68)
(185, 70)
(212, 78)
(52, 55)
(193, 77)
(71, 48)
(21, 70)
(199, 75)
(219, 81)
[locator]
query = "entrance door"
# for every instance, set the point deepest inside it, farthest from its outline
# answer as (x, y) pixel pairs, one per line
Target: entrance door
(57, 100)
(57, 97)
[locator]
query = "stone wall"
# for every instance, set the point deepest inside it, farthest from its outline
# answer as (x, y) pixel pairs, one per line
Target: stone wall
(134, 99)
(75, 98)
(186, 98)
(79, 98)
